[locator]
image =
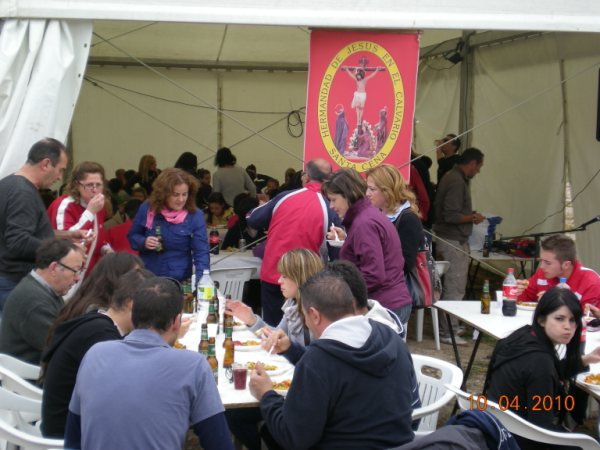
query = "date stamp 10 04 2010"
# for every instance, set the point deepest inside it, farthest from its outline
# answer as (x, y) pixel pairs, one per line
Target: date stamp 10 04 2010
(538, 403)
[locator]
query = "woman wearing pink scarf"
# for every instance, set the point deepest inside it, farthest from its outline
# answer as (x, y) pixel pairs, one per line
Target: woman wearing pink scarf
(168, 230)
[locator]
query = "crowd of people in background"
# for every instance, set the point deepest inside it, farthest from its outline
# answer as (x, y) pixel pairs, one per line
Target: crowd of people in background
(91, 274)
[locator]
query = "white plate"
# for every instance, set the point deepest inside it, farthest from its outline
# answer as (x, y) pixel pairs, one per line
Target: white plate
(280, 370)
(581, 379)
(526, 307)
(239, 327)
(247, 348)
(335, 243)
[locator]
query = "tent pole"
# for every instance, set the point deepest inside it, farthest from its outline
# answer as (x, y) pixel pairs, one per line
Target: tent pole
(465, 109)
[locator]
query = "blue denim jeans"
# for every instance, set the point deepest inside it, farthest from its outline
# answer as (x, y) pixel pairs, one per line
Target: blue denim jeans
(403, 314)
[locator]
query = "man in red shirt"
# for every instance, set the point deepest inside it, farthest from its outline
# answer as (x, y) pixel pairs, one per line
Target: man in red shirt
(558, 259)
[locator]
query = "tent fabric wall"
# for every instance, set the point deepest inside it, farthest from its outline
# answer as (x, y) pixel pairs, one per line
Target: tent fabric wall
(523, 176)
(116, 134)
(41, 68)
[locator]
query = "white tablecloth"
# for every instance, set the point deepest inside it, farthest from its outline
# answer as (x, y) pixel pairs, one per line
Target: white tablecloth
(231, 397)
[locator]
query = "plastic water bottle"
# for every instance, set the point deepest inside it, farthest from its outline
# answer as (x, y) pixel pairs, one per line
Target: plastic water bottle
(205, 287)
(509, 294)
(562, 283)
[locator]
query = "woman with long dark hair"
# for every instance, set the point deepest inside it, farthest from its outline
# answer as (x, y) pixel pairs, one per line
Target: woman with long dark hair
(526, 367)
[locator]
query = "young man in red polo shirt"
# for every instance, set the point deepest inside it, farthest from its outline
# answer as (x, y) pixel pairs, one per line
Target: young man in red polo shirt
(558, 259)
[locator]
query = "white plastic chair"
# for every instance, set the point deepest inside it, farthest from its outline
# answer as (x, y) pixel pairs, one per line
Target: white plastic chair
(441, 267)
(21, 368)
(432, 391)
(15, 383)
(19, 413)
(231, 281)
(521, 427)
(27, 441)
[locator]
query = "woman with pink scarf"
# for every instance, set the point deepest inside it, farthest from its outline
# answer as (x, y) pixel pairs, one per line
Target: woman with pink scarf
(168, 230)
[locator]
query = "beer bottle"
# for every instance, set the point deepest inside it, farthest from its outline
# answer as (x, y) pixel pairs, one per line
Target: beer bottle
(188, 297)
(212, 359)
(227, 325)
(159, 247)
(229, 348)
(212, 314)
(203, 345)
(485, 298)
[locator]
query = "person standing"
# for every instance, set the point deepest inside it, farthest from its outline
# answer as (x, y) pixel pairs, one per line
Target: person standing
(82, 208)
(229, 179)
(169, 230)
(142, 393)
(24, 223)
(371, 242)
(447, 154)
(455, 217)
(295, 219)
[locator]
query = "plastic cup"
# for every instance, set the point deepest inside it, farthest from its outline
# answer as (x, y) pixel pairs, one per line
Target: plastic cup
(240, 375)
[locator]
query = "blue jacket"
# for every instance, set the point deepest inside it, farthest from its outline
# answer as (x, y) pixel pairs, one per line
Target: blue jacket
(183, 244)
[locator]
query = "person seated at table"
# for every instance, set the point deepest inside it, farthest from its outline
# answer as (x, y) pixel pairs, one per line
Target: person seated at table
(525, 367)
(239, 228)
(351, 389)
(558, 259)
(294, 268)
(73, 338)
(140, 392)
(169, 230)
(372, 309)
(219, 212)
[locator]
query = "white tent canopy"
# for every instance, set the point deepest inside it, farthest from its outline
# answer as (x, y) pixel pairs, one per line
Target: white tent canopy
(550, 15)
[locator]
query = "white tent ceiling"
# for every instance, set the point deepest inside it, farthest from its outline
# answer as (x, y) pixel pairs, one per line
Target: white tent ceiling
(556, 15)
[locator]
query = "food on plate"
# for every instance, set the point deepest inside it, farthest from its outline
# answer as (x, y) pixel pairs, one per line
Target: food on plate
(282, 385)
(249, 343)
(527, 304)
(252, 365)
(593, 378)
(178, 344)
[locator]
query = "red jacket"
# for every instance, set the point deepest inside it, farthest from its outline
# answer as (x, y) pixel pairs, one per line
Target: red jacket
(584, 282)
(67, 214)
(117, 237)
(295, 219)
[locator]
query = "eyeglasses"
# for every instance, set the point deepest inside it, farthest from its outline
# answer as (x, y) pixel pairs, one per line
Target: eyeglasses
(92, 186)
(75, 271)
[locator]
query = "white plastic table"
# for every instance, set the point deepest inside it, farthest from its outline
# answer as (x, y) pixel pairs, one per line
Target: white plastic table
(231, 397)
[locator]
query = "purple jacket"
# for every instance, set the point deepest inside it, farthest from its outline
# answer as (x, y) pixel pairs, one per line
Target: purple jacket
(373, 245)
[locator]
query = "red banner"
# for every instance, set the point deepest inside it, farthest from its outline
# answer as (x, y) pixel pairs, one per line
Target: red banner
(361, 77)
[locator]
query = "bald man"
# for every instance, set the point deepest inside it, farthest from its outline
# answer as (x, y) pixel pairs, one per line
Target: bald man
(294, 219)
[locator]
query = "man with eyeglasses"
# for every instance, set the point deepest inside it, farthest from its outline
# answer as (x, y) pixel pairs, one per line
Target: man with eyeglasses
(24, 223)
(34, 303)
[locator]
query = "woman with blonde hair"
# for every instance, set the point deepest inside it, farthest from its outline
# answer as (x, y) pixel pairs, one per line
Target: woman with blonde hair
(169, 230)
(145, 176)
(387, 190)
(294, 267)
(82, 208)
